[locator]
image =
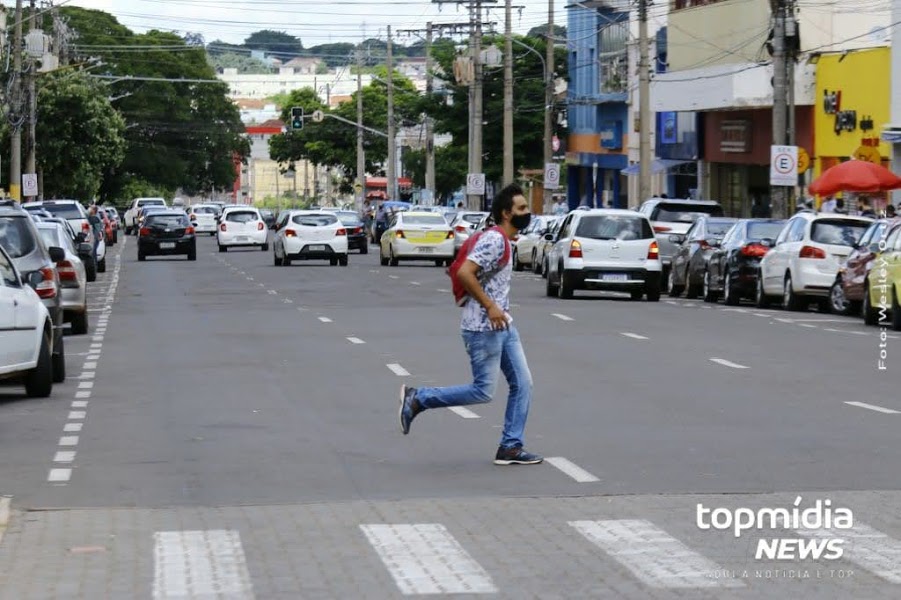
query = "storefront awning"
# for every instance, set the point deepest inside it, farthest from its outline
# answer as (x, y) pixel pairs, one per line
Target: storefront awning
(660, 165)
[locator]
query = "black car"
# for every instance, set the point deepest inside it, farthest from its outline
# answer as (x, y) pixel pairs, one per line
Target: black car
(37, 266)
(268, 217)
(732, 268)
(693, 249)
(167, 233)
(356, 231)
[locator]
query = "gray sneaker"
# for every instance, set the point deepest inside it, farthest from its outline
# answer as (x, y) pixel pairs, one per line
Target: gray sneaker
(409, 408)
(516, 456)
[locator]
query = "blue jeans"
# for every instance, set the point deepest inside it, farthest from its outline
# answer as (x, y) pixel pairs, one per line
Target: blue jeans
(490, 352)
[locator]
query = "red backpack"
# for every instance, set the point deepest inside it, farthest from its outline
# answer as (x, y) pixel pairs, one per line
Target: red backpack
(460, 295)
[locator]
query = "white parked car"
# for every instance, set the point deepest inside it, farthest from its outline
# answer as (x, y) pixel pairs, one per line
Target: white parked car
(605, 249)
(309, 235)
(242, 226)
(73, 281)
(417, 236)
(204, 218)
(26, 333)
(132, 213)
(805, 258)
(464, 224)
(524, 248)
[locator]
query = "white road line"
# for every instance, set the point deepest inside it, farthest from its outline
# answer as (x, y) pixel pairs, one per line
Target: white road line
(634, 336)
(97, 338)
(652, 555)
(82, 394)
(807, 325)
(398, 370)
(415, 283)
(673, 303)
(844, 331)
(250, 279)
(68, 440)
(571, 469)
(868, 548)
(424, 558)
(393, 277)
(87, 375)
(59, 475)
(728, 363)
(200, 564)
(271, 292)
(464, 412)
(887, 411)
(72, 427)
(92, 357)
(80, 404)
(443, 290)
(738, 310)
(561, 317)
(355, 340)
(86, 385)
(784, 320)
(96, 345)
(90, 365)
(325, 319)
(64, 456)
(77, 414)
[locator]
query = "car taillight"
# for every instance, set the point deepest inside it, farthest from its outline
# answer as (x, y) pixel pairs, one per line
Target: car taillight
(145, 231)
(47, 287)
(575, 249)
(703, 244)
(461, 228)
(812, 252)
(189, 231)
(661, 228)
(222, 227)
(753, 250)
(340, 232)
(653, 251)
(261, 226)
(66, 271)
(399, 234)
(290, 233)
(450, 235)
(193, 217)
(358, 230)
(85, 227)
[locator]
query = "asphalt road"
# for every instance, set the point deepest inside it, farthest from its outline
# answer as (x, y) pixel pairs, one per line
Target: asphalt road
(259, 403)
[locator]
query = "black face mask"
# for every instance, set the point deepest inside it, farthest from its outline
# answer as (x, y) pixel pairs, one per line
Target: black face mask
(521, 221)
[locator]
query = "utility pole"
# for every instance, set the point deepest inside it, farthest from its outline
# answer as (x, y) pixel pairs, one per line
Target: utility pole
(30, 166)
(779, 194)
(392, 149)
(508, 92)
(644, 105)
(475, 202)
(429, 124)
(15, 110)
(361, 152)
(548, 99)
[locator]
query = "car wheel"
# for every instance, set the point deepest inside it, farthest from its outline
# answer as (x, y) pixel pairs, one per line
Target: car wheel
(382, 260)
(564, 291)
(730, 297)
(838, 302)
(709, 294)
(276, 261)
(128, 231)
(59, 363)
(286, 260)
(90, 270)
(536, 266)
(652, 290)
(760, 297)
(39, 380)
(673, 290)
(80, 323)
(636, 294)
(115, 238)
(517, 266)
(790, 300)
(439, 262)
(101, 266)
(544, 267)
(192, 254)
(342, 260)
(692, 290)
(265, 247)
(223, 248)
(141, 258)
(549, 289)
(364, 249)
(391, 259)
(870, 315)
(213, 234)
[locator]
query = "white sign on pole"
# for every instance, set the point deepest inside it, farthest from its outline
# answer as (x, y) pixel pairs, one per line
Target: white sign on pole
(784, 165)
(551, 176)
(29, 184)
(475, 184)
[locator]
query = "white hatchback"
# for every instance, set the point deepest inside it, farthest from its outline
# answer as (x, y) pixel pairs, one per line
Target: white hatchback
(309, 234)
(242, 226)
(417, 236)
(605, 249)
(203, 216)
(806, 256)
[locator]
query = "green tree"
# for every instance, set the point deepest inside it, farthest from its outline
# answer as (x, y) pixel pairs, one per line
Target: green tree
(242, 62)
(335, 54)
(540, 31)
(450, 168)
(80, 136)
(274, 41)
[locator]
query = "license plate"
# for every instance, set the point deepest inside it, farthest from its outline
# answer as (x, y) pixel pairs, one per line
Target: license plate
(241, 238)
(316, 248)
(425, 249)
(167, 245)
(614, 277)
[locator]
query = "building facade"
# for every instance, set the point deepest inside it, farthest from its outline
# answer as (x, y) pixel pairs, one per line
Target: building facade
(262, 177)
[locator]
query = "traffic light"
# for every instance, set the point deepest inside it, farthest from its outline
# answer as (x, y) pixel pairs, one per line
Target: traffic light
(297, 117)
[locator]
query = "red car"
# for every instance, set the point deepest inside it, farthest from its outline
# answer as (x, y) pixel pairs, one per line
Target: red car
(846, 296)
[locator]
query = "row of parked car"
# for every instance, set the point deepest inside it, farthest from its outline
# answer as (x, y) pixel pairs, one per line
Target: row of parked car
(49, 252)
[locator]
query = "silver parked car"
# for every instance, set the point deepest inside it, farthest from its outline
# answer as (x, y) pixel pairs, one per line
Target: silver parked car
(671, 216)
(73, 280)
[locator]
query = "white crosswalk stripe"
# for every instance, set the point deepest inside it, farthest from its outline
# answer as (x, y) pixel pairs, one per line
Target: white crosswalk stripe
(868, 548)
(200, 564)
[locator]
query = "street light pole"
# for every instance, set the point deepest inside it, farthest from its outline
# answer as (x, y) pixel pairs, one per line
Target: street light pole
(548, 97)
(508, 93)
(390, 172)
(429, 125)
(361, 152)
(644, 106)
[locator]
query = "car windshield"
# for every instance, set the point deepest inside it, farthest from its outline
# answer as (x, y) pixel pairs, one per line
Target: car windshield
(205, 210)
(151, 203)
(50, 235)
(760, 231)
(15, 236)
(685, 213)
(349, 218)
(718, 229)
(241, 216)
(838, 233)
(424, 220)
(472, 218)
(66, 211)
(614, 227)
(315, 220)
(167, 220)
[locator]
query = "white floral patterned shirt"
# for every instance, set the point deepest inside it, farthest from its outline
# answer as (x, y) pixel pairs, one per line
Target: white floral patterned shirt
(487, 254)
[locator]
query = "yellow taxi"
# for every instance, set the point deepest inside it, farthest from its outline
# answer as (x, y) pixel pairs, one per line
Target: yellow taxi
(417, 236)
(882, 299)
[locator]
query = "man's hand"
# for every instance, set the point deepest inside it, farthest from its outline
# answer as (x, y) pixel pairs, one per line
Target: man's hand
(497, 317)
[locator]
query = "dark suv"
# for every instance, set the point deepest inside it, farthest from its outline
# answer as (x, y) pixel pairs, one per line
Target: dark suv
(37, 266)
(167, 233)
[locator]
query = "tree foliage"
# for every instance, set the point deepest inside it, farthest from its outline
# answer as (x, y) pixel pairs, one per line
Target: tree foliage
(80, 136)
(277, 42)
(540, 31)
(244, 63)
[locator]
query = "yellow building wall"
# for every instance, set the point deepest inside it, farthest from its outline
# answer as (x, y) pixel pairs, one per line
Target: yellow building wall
(724, 33)
(863, 77)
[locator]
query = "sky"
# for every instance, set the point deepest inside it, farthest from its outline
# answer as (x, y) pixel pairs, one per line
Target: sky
(313, 21)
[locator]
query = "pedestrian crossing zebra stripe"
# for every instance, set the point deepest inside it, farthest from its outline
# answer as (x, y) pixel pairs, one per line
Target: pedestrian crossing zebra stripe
(868, 548)
(200, 564)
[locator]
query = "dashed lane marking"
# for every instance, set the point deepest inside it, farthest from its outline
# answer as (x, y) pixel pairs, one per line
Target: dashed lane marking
(561, 317)
(355, 340)
(844, 331)
(68, 440)
(64, 456)
(325, 319)
(82, 394)
(59, 475)
(728, 363)
(807, 325)
(572, 469)
(464, 412)
(72, 427)
(887, 411)
(415, 283)
(79, 404)
(77, 414)
(271, 292)
(634, 336)
(86, 385)
(398, 370)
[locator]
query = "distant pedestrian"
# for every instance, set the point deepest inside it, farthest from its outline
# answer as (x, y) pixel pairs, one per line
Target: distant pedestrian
(560, 208)
(840, 207)
(890, 211)
(760, 210)
(865, 208)
(828, 205)
(491, 340)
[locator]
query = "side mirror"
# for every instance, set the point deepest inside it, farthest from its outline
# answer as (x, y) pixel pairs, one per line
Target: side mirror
(85, 249)
(80, 237)
(57, 254)
(549, 237)
(193, 223)
(767, 242)
(676, 238)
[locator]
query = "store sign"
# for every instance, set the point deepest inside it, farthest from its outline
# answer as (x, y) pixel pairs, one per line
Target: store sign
(735, 136)
(612, 135)
(669, 128)
(845, 120)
